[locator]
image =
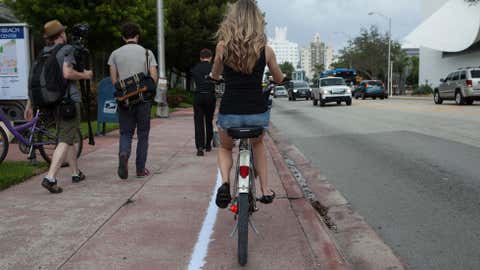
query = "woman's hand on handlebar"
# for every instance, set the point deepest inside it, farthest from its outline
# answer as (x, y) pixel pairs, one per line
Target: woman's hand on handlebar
(212, 80)
(283, 82)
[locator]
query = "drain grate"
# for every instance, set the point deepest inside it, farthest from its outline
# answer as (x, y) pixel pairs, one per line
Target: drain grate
(310, 195)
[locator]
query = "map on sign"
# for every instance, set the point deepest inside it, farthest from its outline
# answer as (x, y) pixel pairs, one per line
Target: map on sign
(8, 58)
(14, 61)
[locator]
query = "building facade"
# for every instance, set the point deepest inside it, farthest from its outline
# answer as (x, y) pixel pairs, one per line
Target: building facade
(306, 61)
(285, 50)
(439, 55)
(316, 53)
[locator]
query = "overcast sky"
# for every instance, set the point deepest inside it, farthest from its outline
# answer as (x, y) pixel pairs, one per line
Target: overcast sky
(335, 20)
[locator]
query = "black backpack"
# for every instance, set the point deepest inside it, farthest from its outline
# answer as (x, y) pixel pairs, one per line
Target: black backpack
(47, 86)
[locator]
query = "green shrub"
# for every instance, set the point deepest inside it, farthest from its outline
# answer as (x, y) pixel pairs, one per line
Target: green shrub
(423, 90)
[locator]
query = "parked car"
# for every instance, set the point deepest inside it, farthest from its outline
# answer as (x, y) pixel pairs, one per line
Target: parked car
(331, 89)
(370, 89)
(298, 89)
(463, 86)
(280, 91)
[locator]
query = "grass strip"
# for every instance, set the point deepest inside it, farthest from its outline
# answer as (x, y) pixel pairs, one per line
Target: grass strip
(14, 172)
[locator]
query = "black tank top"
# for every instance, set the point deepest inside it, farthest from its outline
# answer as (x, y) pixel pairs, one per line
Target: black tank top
(243, 92)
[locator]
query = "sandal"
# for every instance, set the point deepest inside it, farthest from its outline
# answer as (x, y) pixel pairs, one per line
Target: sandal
(223, 196)
(267, 199)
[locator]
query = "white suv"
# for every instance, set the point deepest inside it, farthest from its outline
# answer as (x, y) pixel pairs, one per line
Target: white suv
(463, 86)
(331, 89)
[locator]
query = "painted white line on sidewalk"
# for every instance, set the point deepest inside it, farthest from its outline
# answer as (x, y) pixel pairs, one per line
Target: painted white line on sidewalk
(197, 261)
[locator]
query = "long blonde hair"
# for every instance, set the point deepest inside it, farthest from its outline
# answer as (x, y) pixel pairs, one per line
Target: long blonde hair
(242, 34)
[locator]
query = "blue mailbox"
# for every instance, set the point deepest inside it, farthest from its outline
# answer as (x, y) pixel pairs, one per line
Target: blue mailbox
(107, 105)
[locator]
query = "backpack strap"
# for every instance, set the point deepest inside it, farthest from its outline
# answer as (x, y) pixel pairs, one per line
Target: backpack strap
(147, 63)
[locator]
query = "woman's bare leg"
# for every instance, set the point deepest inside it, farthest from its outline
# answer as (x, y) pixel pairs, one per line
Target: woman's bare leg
(225, 160)
(260, 159)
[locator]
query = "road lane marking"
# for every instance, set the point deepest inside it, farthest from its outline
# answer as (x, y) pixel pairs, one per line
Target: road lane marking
(197, 260)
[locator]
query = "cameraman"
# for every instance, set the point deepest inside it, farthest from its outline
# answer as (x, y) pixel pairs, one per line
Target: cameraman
(125, 62)
(55, 36)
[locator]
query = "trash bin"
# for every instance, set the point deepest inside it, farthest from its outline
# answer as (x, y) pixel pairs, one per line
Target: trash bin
(107, 105)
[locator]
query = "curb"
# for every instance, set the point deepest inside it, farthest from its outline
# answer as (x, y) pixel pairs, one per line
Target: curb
(324, 249)
(362, 246)
(412, 98)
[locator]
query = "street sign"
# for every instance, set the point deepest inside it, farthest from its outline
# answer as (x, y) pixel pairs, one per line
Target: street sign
(14, 61)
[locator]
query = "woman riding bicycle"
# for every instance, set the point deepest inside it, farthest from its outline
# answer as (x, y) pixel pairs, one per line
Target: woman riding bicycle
(242, 55)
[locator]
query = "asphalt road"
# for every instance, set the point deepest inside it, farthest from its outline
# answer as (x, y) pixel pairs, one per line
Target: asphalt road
(410, 167)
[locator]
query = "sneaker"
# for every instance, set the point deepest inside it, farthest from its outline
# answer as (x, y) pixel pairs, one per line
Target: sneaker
(143, 174)
(223, 196)
(123, 167)
(78, 178)
(200, 153)
(51, 186)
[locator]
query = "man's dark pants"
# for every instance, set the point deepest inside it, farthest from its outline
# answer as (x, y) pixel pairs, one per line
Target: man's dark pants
(137, 117)
(203, 110)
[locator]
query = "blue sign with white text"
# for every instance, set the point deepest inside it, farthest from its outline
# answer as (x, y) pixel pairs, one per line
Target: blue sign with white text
(11, 32)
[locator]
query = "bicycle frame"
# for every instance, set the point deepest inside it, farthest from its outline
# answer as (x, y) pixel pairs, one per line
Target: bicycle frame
(16, 131)
(246, 175)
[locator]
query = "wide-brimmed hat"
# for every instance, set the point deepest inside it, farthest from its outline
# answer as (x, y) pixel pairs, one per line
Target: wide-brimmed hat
(52, 28)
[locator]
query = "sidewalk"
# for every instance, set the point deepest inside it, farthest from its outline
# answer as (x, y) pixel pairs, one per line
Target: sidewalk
(154, 223)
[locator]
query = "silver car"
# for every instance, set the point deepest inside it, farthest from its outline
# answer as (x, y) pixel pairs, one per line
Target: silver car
(280, 91)
(463, 86)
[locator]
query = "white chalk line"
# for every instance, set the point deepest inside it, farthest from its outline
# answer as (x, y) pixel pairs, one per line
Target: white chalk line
(197, 260)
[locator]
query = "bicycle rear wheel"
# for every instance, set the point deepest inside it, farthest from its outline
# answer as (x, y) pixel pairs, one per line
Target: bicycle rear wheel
(243, 215)
(3, 144)
(47, 150)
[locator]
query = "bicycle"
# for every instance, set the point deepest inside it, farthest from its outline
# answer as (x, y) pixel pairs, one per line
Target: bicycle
(33, 135)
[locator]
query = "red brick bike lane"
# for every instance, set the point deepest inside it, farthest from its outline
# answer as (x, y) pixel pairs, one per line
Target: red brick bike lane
(154, 223)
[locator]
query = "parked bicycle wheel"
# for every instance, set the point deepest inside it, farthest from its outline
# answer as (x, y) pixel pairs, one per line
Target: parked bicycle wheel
(3, 145)
(243, 215)
(47, 150)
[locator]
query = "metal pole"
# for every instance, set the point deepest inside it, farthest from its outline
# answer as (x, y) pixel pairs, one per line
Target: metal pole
(389, 55)
(161, 97)
(391, 75)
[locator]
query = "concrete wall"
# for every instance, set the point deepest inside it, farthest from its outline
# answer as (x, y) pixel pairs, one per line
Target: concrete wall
(433, 65)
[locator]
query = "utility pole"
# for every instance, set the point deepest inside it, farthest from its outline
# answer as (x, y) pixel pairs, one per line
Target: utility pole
(161, 97)
(390, 64)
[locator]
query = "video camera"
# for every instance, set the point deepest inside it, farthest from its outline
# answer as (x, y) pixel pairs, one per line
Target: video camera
(79, 36)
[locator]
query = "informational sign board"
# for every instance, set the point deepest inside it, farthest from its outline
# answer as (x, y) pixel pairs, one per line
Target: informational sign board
(14, 61)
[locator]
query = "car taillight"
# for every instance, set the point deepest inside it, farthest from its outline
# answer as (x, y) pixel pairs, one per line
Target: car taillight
(367, 85)
(383, 85)
(469, 83)
(244, 171)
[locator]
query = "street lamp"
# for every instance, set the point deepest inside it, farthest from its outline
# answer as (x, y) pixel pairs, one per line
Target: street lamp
(389, 68)
(161, 97)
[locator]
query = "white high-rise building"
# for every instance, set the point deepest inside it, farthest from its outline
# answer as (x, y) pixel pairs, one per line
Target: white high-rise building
(316, 53)
(285, 50)
(306, 61)
(328, 57)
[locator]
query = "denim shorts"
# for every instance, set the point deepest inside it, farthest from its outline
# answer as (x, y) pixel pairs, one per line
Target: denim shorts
(225, 121)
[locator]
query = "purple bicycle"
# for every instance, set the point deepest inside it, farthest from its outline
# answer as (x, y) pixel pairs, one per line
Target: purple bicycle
(40, 133)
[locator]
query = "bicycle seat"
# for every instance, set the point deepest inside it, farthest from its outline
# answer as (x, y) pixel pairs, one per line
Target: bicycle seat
(245, 132)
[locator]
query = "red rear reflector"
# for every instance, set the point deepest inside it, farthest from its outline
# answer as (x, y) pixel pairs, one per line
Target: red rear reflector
(469, 83)
(234, 209)
(244, 171)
